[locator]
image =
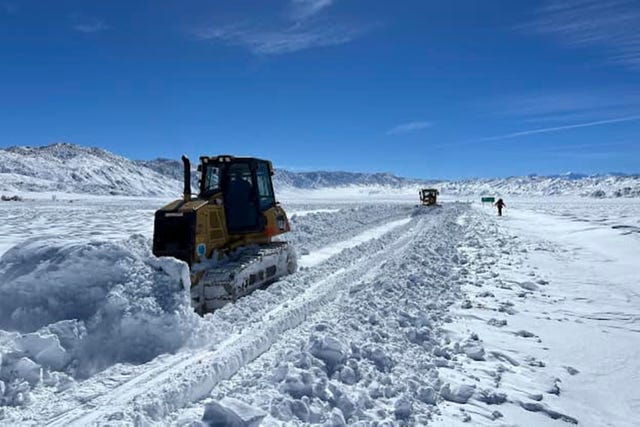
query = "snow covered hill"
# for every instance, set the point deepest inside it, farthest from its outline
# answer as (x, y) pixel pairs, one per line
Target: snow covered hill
(70, 168)
(323, 179)
(599, 186)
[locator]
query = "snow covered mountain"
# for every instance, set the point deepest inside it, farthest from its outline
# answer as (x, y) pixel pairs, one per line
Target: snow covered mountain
(599, 186)
(322, 179)
(70, 168)
(170, 168)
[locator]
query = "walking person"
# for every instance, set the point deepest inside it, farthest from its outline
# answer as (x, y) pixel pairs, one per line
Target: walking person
(500, 204)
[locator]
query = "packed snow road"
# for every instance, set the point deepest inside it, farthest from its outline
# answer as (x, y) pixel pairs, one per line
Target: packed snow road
(400, 315)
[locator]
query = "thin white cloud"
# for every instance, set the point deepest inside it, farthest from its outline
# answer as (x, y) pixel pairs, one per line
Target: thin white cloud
(280, 41)
(559, 128)
(609, 25)
(565, 102)
(566, 106)
(86, 24)
(409, 127)
(304, 9)
(580, 116)
(300, 27)
(577, 147)
(90, 27)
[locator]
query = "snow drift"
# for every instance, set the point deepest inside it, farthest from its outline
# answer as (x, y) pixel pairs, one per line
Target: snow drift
(74, 308)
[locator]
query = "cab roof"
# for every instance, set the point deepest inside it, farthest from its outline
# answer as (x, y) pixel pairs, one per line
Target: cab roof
(226, 158)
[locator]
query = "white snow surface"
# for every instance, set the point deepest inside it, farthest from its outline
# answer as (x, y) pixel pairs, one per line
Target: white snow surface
(442, 316)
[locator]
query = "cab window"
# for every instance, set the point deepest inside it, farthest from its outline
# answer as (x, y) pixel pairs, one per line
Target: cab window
(211, 183)
(265, 189)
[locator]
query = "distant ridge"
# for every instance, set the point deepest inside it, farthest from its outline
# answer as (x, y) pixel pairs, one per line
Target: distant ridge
(70, 168)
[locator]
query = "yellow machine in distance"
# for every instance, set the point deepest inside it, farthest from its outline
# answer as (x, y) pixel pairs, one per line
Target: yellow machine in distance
(226, 232)
(428, 196)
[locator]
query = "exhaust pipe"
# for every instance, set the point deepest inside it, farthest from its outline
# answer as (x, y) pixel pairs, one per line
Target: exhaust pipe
(187, 178)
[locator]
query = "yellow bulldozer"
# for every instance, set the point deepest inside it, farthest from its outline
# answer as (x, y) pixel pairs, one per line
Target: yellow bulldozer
(226, 233)
(428, 196)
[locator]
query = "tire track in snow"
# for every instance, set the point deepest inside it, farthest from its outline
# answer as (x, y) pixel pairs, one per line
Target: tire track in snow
(323, 254)
(341, 303)
(186, 378)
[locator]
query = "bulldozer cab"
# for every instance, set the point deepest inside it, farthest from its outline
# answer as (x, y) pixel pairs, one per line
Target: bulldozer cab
(246, 187)
(428, 196)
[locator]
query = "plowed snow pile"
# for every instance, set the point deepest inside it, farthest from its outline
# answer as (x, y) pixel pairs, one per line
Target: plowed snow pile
(69, 309)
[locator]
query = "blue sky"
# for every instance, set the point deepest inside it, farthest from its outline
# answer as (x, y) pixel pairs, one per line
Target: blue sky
(432, 89)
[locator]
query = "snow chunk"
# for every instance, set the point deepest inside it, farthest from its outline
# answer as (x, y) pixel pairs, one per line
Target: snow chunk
(525, 334)
(530, 286)
(571, 370)
(427, 395)
(348, 376)
(419, 335)
(336, 418)
(491, 397)
(29, 370)
(300, 409)
(298, 385)
(346, 406)
(539, 407)
(328, 349)
(497, 322)
(474, 350)
(45, 349)
(402, 408)
(232, 412)
(379, 358)
(458, 394)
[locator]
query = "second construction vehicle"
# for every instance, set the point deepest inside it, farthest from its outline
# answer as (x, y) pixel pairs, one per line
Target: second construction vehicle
(428, 196)
(226, 233)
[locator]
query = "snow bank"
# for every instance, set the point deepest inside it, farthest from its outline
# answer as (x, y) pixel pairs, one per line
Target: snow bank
(74, 308)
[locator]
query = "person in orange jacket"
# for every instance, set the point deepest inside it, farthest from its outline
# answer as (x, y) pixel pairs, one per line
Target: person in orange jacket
(500, 204)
